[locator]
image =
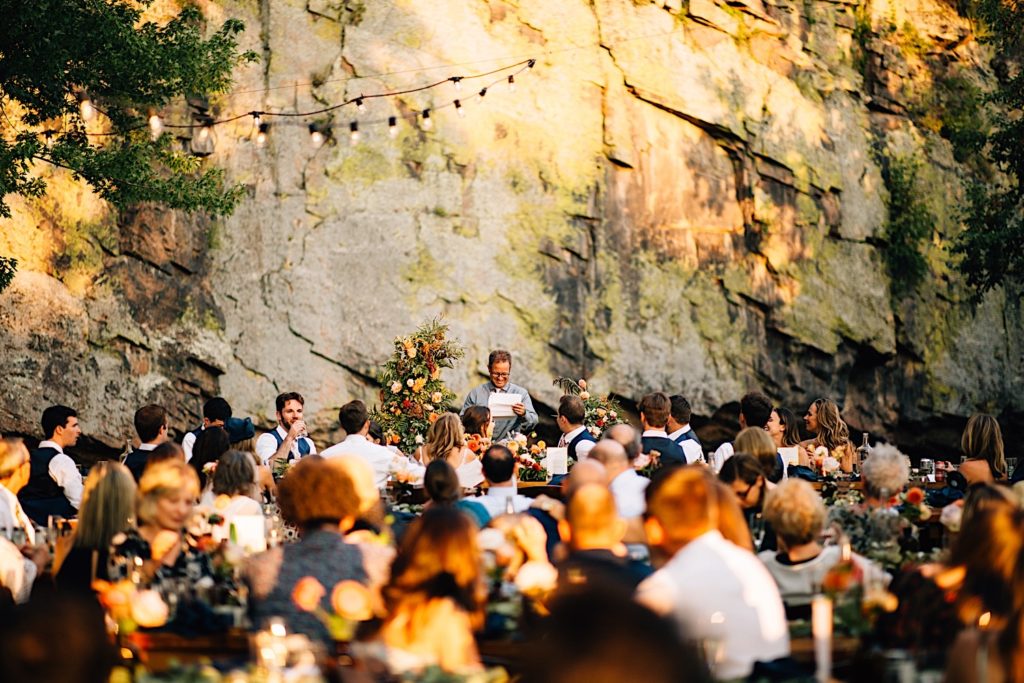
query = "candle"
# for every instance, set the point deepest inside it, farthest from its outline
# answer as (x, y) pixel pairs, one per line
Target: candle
(821, 627)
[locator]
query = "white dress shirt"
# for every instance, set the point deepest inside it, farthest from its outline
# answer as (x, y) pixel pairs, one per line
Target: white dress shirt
(383, 460)
(64, 471)
(17, 572)
(266, 445)
(691, 449)
(719, 457)
(583, 447)
(495, 500)
(719, 591)
(187, 442)
(12, 516)
(628, 488)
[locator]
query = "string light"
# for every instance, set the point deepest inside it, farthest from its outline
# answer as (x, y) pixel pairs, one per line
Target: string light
(257, 120)
(204, 133)
(511, 83)
(87, 110)
(393, 126)
(156, 126)
(427, 123)
(261, 136)
(316, 136)
(48, 138)
(353, 135)
(483, 92)
(459, 110)
(457, 80)
(360, 107)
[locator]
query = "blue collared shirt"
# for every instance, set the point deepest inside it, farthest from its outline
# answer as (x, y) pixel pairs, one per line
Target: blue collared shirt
(503, 427)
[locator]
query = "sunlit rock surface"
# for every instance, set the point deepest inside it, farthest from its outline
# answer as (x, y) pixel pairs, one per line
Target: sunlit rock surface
(679, 196)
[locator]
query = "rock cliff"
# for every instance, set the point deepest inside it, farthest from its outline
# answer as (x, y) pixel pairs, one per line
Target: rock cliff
(693, 196)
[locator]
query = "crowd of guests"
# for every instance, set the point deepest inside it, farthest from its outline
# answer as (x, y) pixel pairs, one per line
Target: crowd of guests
(653, 557)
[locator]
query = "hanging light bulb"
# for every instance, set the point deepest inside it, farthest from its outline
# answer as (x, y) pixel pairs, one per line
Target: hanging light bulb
(427, 123)
(360, 107)
(261, 136)
(457, 80)
(353, 135)
(87, 110)
(316, 136)
(393, 126)
(512, 83)
(483, 92)
(459, 110)
(257, 120)
(48, 138)
(156, 126)
(204, 133)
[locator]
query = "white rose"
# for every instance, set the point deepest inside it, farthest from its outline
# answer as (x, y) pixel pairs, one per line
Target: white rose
(951, 516)
(409, 382)
(396, 388)
(149, 610)
(419, 438)
(536, 577)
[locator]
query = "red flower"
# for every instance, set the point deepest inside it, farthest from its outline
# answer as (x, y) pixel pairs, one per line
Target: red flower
(915, 496)
(406, 403)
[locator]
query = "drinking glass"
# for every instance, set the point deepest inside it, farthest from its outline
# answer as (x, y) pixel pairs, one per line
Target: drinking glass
(757, 530)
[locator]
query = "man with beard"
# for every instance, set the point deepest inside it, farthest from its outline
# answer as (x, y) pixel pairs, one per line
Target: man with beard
(290, 439)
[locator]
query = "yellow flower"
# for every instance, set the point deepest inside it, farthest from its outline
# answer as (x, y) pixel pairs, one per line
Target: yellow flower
(352, 600)
(418, 385)
(541, 445)
(410, 351)
(601, 412)
(222, 501)
(584, 395)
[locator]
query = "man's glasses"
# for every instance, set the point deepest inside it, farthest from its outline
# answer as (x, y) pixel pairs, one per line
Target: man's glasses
(499, 375)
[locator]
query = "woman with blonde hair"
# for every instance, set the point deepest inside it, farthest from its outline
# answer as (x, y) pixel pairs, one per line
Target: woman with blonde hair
(982, 443)
(446, 441)
(108, 509)
(831, 433)
(758, 443)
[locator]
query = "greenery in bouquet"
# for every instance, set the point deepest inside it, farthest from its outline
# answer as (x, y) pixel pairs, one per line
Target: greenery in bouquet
(886, 535)
(529, 457)
(601, 411)
(412, 395)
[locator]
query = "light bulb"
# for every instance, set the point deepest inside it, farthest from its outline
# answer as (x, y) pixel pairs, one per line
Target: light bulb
(156, 126)
(360, 107)
(459, 110)
(257, 120)
(316, 138)
(48, 138)
(261, 136)
(427, 123)
(393, 126)
(512, 83)
(204, 133)
(457, 80)
(353, 136)
(88, 111)
(483, 92)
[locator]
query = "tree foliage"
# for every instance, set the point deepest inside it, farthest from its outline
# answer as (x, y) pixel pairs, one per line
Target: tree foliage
(54, 52)
(910, 225)
(992, 246)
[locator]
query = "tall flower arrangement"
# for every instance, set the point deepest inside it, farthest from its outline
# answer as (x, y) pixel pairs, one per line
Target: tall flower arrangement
(412, 395)
(601, 412)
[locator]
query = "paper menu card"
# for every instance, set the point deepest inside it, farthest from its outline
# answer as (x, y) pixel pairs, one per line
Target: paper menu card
(500, 405)
(557, 460)
(790, 455)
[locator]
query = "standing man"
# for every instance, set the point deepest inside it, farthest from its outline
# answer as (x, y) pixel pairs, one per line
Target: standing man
(216, 413)
(290, 439)
(54, 483)
(679, 429)
(575, 436)
(654, 411)
(499, 366)
(151, 426)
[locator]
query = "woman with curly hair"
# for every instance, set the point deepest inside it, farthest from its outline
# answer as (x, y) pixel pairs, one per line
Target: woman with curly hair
(434, 599)
(831, 432)
(982, 443)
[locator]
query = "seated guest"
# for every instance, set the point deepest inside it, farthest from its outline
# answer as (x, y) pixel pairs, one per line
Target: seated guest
(679, 429)
(168, 450)
(216, 413)
(54, 485)
(628, 438)
(212, 443)
(235, 479)
(151, 426)
(15, 466)
(755, 411)
(18, 571)
(744, 475)
(783, 428)
(982, 443)
(654, 411)
(587, 471)
(319, 498)
(445, 441)
(241, 434)
(443, 488)
(164, 502)
(108, 508)
(884, 474)
(501, 496)
(625, 484)
(593, 531)
(434, 600)
(499, 367)
(289, 440)
(797, 514)
(713, 588)
(477, 423)
(759, 444)
(575, 436)
(830, 432)
(355, 420)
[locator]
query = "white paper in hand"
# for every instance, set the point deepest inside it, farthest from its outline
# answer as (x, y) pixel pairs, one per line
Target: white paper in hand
(500, 405)
(557, 460)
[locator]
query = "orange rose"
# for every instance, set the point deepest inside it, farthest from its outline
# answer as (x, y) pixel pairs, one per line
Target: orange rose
(915, 496)
(352, 600)
(432, 418)
(307, 593)
(473, 445)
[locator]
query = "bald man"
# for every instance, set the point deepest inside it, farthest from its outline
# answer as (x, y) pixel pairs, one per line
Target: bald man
(584, 472)
(593, 531)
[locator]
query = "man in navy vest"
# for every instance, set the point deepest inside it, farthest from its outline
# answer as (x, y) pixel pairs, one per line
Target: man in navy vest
(151, 426)
(575, 436)
(679, 429)
(290, 439)
(654, 410)
(216, 413)
(54, 483)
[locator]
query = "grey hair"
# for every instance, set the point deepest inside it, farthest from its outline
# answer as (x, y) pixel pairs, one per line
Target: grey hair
(886, 470)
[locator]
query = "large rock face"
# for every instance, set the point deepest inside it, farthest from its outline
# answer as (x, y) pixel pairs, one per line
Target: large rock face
(680, 196)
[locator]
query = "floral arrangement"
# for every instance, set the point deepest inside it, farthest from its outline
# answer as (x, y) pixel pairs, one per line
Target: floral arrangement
(130, 607)
(518, 574)
(857, 603)
(412, 395)
(351, 603)
(887, 535)
(529, 458)
(600, 412)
